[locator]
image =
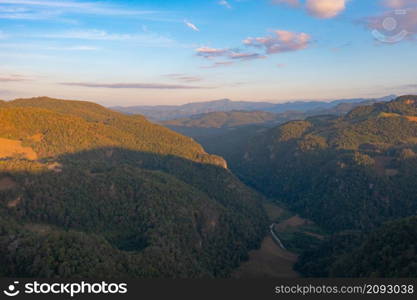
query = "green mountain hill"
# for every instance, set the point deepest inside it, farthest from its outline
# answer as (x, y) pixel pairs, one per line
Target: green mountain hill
(86, 191)
(223, 119)
(389, 251)
(222, 132)
(350, 172)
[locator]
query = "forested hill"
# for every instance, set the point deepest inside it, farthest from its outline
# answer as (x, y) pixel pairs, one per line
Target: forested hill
(87, 191)
(224, 119)
(87, 125)
(350, 172)
(389, 251)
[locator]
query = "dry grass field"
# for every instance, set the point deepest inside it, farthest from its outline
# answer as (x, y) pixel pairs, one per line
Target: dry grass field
(12, 148)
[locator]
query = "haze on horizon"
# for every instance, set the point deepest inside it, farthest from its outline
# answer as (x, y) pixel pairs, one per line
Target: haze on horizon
(174, 52)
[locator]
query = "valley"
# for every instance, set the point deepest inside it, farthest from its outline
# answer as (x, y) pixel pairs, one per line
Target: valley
(350, 174)
(274, 259)
(302, 196)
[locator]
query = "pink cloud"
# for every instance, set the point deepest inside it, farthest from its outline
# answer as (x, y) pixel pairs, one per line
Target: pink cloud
(211, 53)
(325, 9)
(208, 52)
(281, 41)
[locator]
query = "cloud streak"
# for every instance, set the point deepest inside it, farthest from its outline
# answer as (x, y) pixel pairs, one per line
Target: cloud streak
(152, 86)
(13, 78)
(184, 77)
(234, 54)
(73, 48)
(191, 25)
(208, 52)
(145, 39)
(75, 6)
(219, 64)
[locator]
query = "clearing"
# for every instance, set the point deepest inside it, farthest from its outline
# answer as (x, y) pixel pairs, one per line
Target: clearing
(13, 148)
(271, 261)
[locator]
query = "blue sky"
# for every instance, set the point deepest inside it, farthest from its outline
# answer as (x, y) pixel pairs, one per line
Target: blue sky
(173, 52)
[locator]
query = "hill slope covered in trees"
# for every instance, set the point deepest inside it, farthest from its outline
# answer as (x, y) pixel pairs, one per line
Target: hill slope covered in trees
(350, 174)
(86, 191)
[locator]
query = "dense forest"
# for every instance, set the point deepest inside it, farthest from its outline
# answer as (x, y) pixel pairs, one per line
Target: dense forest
(350, 174)
(389, 251)
(86, 191)
(226, 119)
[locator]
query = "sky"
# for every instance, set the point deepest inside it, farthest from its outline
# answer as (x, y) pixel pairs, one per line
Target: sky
(168, 52)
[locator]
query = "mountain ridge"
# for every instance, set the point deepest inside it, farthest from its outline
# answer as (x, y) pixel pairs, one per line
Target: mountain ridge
(164, 113)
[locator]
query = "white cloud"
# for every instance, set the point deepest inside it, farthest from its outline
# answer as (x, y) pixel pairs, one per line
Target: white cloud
(191, 25)
(225, 4)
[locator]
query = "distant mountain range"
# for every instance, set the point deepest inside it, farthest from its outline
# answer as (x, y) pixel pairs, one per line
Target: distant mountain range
(171, 112)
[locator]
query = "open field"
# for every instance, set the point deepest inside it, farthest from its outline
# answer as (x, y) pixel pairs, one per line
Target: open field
(268, 262)
(271, 261)
(12, 148)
